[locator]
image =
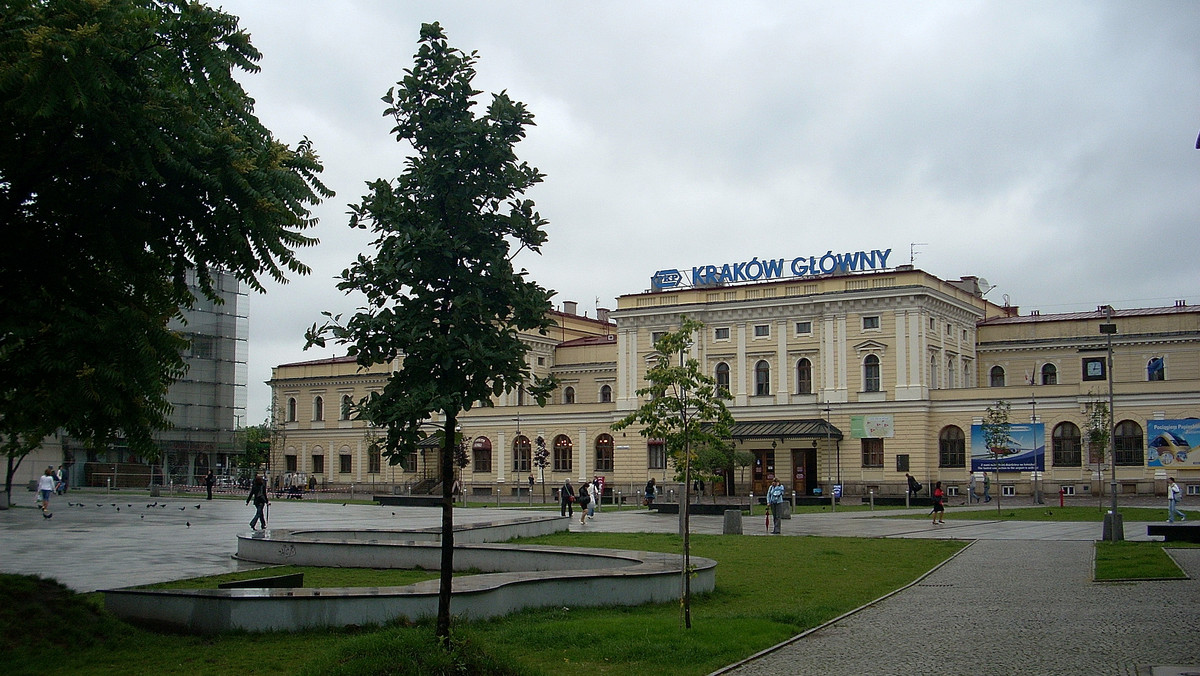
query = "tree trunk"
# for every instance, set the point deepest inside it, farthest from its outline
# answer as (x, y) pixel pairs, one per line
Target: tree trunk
(447, 568)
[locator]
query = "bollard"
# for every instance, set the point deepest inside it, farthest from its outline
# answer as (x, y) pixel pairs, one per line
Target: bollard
(872, 499)
(733, 522)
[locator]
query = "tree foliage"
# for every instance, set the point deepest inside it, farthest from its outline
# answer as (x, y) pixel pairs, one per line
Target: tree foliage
(130, 160)
(684, 406)
(441, 289)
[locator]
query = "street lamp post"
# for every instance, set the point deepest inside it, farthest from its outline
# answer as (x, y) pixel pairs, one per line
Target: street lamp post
(1114, 528)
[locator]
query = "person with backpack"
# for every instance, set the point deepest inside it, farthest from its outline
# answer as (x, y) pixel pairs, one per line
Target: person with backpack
(1173, 495)
(258, 493)
(584, 498)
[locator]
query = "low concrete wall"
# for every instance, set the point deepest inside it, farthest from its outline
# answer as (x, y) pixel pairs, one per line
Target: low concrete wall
(515, 577)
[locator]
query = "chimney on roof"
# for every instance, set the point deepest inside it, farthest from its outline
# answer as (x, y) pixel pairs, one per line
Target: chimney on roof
(569, 306)
(602, 314)
(1181, 303)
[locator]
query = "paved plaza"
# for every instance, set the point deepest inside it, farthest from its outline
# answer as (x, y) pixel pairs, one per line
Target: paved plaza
(1019, 599)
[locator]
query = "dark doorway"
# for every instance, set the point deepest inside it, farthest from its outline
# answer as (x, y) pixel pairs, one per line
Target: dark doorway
(804, 470)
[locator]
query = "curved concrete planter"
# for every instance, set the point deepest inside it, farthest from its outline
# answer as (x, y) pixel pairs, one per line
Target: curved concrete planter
(514, 578)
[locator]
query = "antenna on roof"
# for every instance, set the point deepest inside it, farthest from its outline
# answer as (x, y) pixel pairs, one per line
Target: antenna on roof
(912, 250)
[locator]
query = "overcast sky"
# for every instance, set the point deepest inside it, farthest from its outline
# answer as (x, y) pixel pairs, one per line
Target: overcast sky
(1046, 146)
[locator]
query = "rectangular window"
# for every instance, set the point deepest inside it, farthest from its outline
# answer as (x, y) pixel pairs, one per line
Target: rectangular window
(762, 330)
(344, 463)
(483, 459)
(870, 323)
(289, 463)
(409, 462)
(373, 461)
(803, 328)
(318, 464)
(872, 452)
(721, 333)
(656, 336)
(656, 454)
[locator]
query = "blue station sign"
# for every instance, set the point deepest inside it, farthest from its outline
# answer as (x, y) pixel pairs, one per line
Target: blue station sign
(755, 270)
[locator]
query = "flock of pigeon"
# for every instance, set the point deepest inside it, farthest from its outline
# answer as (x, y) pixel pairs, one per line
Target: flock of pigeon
(129, 505)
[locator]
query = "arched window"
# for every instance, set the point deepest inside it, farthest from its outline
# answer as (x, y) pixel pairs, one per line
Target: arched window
(347, 402)
(481, 448)
(319, 408)
(569, 395)
(871, 373)
(521, 454)
(996, 377)
(723, 377)
(606, 394)
(951, 372)
(291, 409)
(935, 380)
(562, 453)
(1127, 441)
(952, 447)
(804, 376)
(520, 395)
(604, 453)
(1049, 374)
(1065, 441)
(762, 378)
(1156, 369)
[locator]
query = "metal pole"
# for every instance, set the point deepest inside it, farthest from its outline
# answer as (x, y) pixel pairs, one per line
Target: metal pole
(1117, 527)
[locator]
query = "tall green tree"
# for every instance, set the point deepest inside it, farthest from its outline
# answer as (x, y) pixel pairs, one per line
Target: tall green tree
(685, 407)
(441, 288)
(130, 159)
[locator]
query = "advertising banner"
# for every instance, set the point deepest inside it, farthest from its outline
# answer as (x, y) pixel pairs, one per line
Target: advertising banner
(1025, 453)
(1173, 443)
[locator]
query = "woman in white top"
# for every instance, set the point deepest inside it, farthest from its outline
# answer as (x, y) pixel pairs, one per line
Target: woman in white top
(45, 490)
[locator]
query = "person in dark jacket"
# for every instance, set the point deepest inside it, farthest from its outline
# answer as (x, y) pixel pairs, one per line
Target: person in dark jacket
(258, 493)
(209, 482)
(566, 499)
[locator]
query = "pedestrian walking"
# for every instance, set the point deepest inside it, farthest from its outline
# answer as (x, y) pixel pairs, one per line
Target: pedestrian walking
(584, 498)
(566, 499)
(60, 479)
(46, 487)
(597, 495)
(987, 488)
(209, 482)
(1173, 496)
(258, 493)
(651, 491)
(914, 486)
(971, 496)
(939, 509)
(775, 502)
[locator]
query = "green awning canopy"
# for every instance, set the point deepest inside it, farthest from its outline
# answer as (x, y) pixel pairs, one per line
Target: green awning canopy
(814, 428)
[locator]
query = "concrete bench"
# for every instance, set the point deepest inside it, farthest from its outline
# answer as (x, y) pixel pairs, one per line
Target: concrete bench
(270, 582)
(1175, 532)
(408, 500)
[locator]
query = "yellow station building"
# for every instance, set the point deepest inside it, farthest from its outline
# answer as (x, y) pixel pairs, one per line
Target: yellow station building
(843, 378)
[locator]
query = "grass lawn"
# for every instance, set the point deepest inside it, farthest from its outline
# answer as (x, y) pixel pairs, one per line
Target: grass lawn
(1137, 561)
(768, 589)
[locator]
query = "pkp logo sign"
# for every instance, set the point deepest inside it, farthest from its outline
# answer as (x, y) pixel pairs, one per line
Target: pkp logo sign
(666, 279)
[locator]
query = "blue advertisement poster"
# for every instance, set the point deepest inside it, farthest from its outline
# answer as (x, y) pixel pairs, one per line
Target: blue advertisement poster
(1173, 443)
(1025, 453)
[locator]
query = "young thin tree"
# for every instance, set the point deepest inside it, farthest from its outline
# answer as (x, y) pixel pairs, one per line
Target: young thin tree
(997, 436)
(442, 291)
(685, 407)
(130, 157)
